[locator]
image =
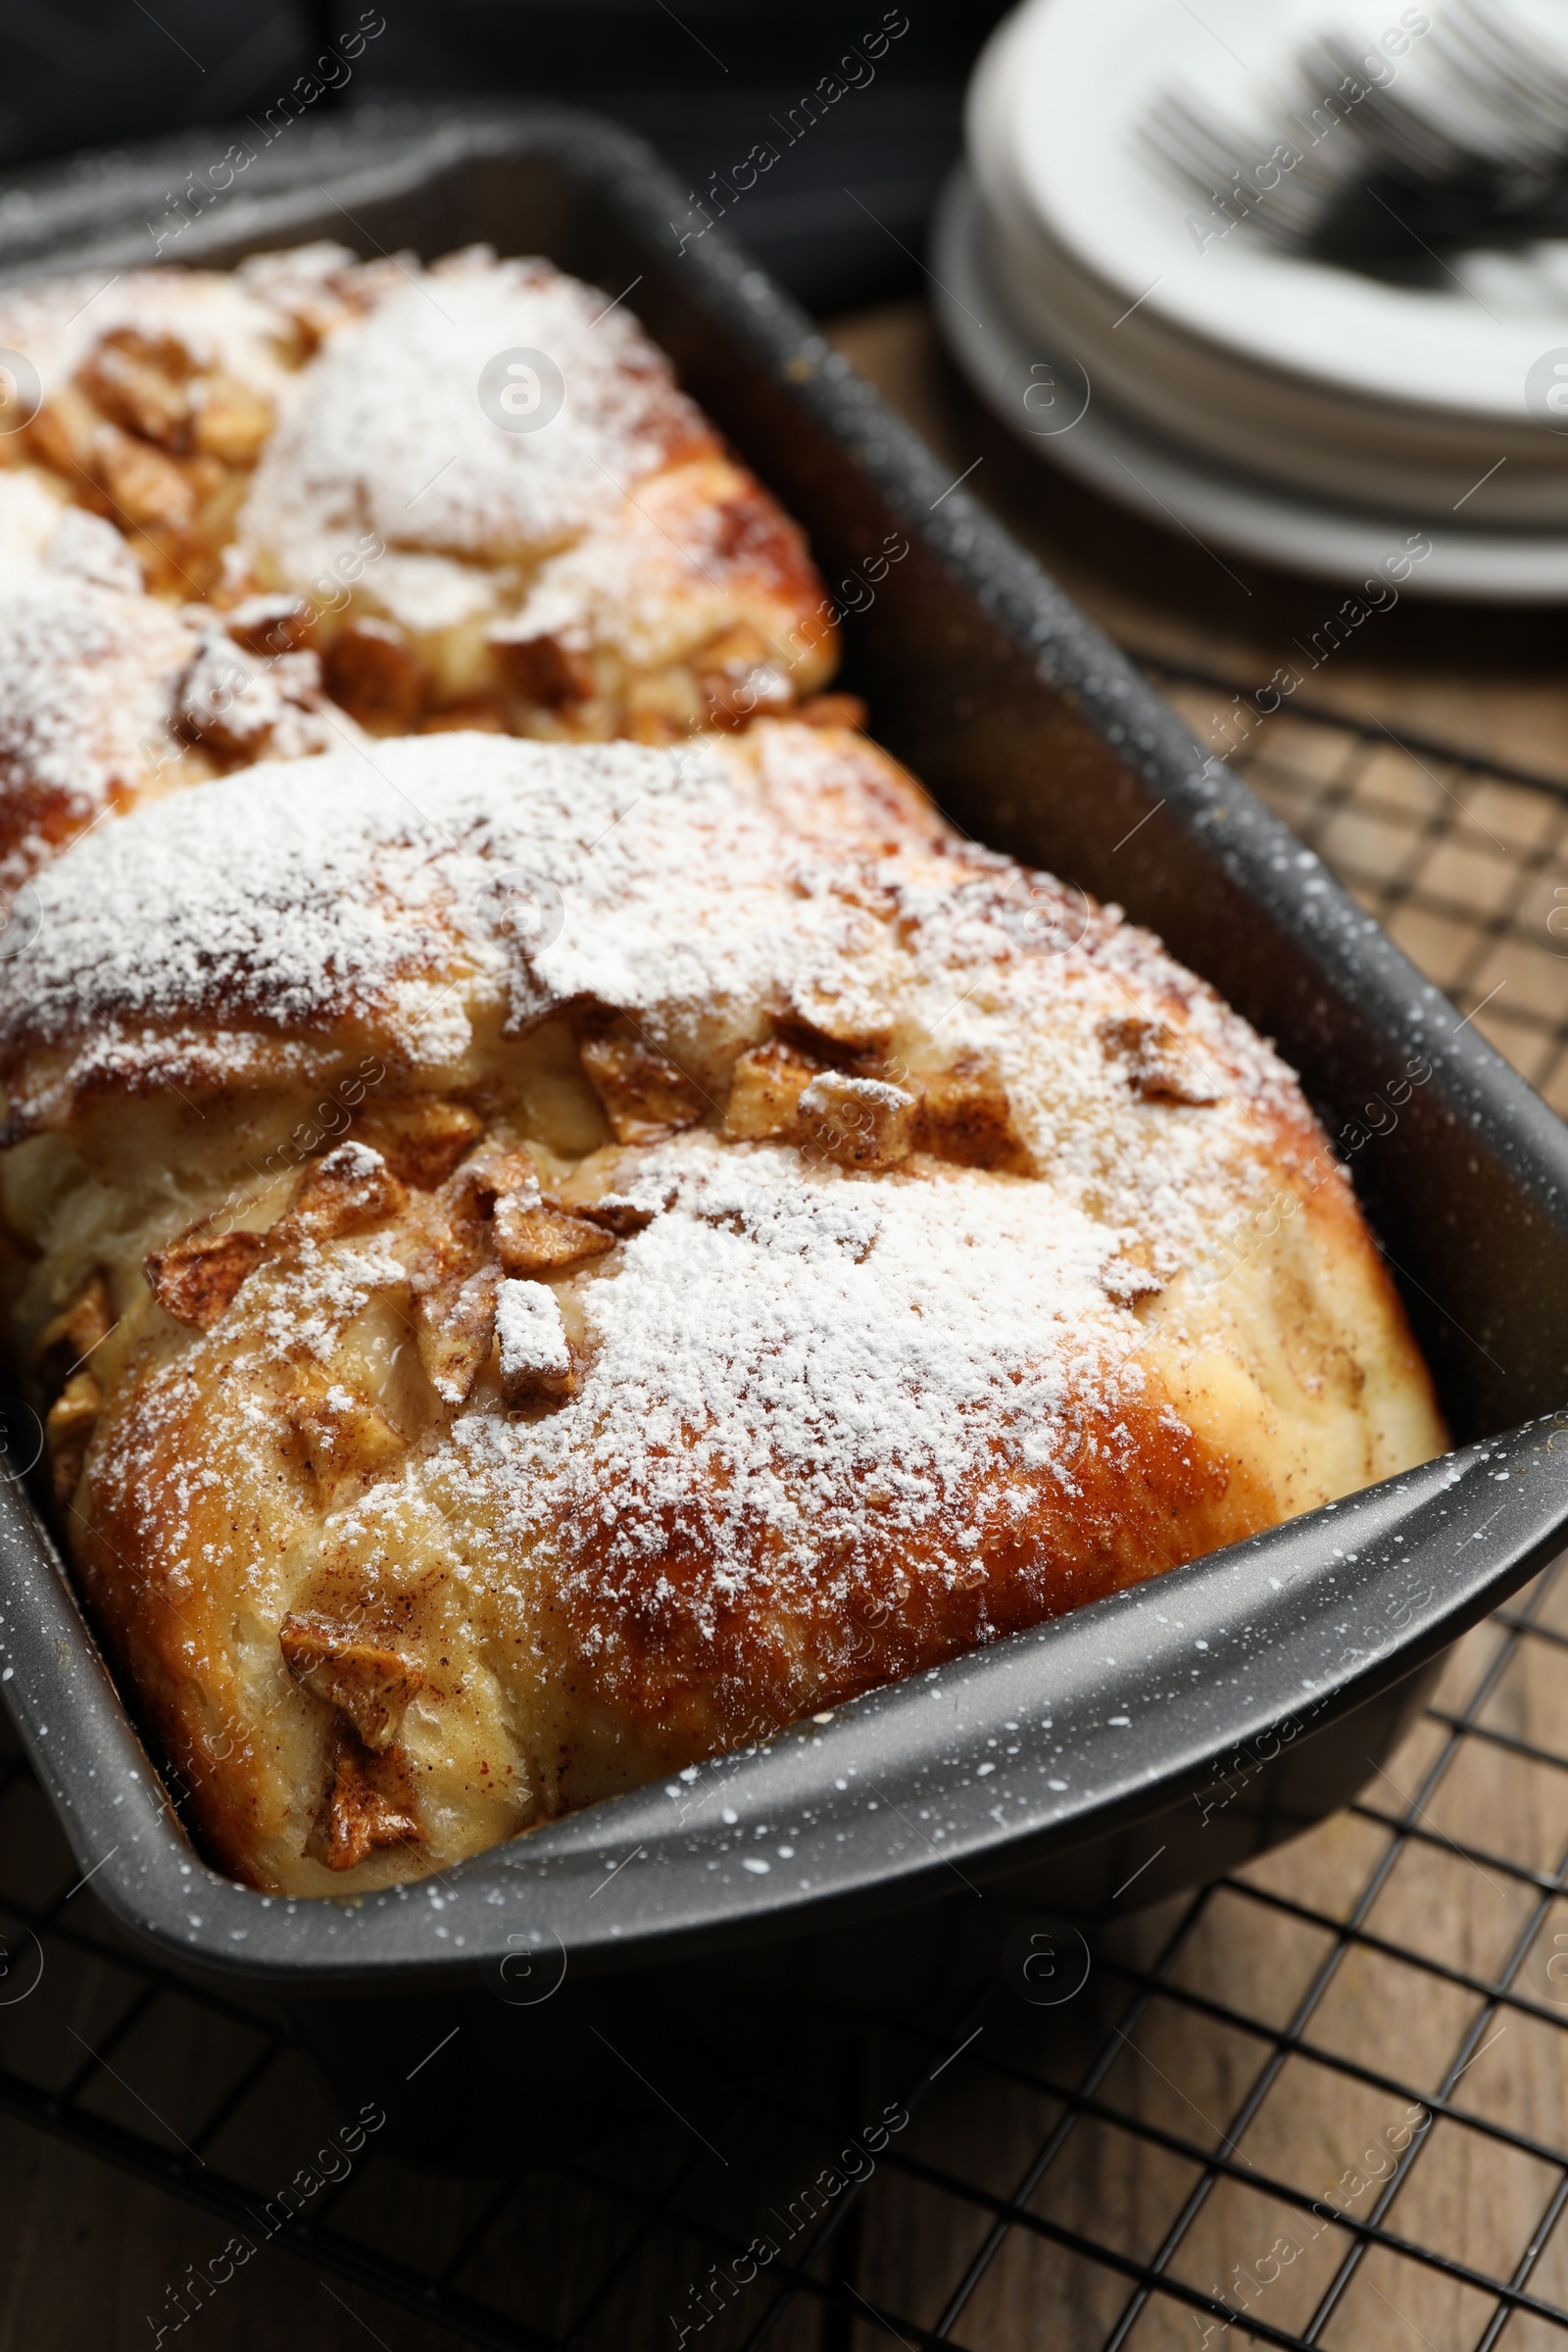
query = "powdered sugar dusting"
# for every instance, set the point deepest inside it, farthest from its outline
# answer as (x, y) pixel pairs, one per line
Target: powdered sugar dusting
(253, 897)
(215, 316)
(35, 527)
(87, 677)
(307, 1312)
(103, 689)
(790, 1363)
(244, 705)
(30, 512)
(84, 547)
(304, 895)
(388, 433)
(530, 1331)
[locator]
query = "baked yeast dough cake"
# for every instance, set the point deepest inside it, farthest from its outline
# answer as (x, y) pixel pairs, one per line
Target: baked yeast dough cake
(548, 1261)
(479, 483)
(558, 542)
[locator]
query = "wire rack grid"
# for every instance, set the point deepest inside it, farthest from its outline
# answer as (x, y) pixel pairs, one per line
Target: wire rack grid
(1323, 2102)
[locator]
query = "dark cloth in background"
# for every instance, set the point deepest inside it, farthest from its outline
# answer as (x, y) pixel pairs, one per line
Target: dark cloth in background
(843, 99)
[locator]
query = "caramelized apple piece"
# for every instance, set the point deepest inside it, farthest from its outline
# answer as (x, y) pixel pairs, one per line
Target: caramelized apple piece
(229, 420)
(72, 1418)
(197, 1278)
(368, 1804)
(271, 624)
(543, 669)
(860, 1122)
(617, 1214)
(645, 1096)
(206, 476)
(1159, 1067)
(740, 677)
(536, 1365)
(68, 1338)
(476, 1189)
(455, 1323)
(533, 1237)
(144, 485)
(371, 1685)
(64, 432)
(834, 1023)
(349, 1190)
(374, 671)
(345, 1436)
(965, 1116)
(141, 382)
(765, 1092)
(470, 1197)
(421, 1142)
(175, 561)
(235, 703)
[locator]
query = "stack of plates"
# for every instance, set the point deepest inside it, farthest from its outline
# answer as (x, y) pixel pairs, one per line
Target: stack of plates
(1274, 407)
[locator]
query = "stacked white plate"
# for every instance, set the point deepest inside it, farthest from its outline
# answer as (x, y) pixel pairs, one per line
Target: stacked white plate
(1273, 406)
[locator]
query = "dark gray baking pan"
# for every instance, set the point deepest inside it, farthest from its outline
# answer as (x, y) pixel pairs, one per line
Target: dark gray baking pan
(1156, 1738)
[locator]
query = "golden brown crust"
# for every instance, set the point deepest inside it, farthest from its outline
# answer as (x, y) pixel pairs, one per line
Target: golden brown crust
(1145, 1494)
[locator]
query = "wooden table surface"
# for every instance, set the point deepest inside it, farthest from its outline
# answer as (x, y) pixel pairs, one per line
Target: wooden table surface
(86, 2254)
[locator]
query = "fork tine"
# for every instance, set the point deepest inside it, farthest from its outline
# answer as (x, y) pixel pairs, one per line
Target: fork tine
(1204, 158)
(1485, 119)
(1518, 85)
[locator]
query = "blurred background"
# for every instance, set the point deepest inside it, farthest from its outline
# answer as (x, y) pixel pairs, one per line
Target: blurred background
(1234, 2050)
(703, 81)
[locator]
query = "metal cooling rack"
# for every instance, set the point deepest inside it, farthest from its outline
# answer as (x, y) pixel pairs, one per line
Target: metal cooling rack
(1465, 865)
(1324, 2102)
